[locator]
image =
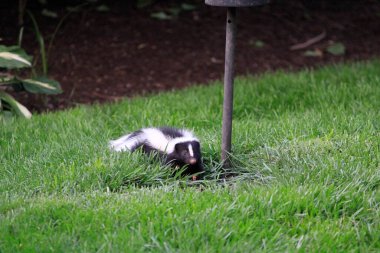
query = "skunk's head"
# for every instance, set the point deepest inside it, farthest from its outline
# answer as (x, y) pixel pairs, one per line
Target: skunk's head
(188, 153)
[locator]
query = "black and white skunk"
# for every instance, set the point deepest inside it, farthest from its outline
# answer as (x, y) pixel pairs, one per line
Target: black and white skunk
(177, 147)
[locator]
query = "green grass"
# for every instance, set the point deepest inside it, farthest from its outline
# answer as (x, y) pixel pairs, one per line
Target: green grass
(306, 150)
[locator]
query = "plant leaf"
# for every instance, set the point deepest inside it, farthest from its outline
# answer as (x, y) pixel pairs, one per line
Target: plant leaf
(161, 16)
(16, 106)
(72, 9)
(103, 8)
(259, 44)
(336, 49)
(313, 53)
(41, 85)
(144, 3)
(188, 7)
(14, 57)
(49, 13)
(8, 80)
(175, 11)
(256, 43)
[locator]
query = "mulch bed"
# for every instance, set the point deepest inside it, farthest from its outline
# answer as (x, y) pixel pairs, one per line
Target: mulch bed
(123, 52)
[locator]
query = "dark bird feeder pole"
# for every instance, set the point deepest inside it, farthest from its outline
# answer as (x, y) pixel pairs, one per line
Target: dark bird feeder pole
(228, 84)
(229, 69)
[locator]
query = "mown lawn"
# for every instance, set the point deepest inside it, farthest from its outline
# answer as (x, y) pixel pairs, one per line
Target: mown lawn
(306, 154)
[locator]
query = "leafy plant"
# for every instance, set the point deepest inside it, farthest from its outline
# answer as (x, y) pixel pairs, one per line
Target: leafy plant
(336, 49)
(103, 8)
(188, 7)
(49, 13)
(161, 15)
(15, 58)
(173, 12)
(313, 53)
(257, 43)
(143, 3)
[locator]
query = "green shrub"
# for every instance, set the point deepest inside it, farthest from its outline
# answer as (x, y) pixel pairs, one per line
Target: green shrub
(12, 59)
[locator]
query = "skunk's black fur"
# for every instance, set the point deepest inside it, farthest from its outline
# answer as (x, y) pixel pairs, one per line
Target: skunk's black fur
(177, 147)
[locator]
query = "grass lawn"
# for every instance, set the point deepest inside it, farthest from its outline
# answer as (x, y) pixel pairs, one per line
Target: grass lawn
(306, 150)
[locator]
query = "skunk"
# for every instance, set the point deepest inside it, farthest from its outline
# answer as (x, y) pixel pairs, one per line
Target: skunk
(177, 147)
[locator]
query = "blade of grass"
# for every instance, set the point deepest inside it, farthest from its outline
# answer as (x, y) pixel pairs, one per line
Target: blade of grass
(41, 44)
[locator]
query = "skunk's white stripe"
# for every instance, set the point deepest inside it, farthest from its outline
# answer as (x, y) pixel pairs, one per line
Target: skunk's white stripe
(123, 143)
(175, 141)
(187, 133)
(191, 152)
(114, 143)
(155, 138)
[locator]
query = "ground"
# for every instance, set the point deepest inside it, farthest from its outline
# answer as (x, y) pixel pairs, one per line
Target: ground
(104, 56)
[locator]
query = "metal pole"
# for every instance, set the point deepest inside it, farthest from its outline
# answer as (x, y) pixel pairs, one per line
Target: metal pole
(228, 85)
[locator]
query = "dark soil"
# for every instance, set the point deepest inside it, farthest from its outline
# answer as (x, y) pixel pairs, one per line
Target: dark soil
(104, 56)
